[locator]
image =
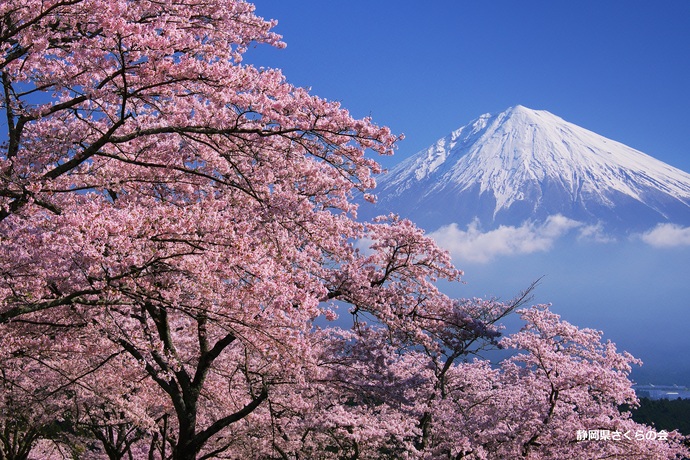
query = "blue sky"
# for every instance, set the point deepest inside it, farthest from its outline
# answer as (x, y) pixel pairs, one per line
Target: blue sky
(619, 68)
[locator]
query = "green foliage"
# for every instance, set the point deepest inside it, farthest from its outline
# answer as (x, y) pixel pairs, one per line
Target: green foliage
(664, 414)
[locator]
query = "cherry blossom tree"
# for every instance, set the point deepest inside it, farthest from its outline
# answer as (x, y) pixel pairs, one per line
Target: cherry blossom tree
(177, 229)
(563, 381)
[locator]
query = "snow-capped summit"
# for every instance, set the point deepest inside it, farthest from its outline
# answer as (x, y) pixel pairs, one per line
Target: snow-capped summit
(525, 164)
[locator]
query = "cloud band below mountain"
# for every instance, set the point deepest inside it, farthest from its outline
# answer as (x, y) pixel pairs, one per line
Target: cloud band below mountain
(473, 245)
(667, 235)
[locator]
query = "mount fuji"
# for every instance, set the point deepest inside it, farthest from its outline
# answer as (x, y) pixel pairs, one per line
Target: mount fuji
(526, 165)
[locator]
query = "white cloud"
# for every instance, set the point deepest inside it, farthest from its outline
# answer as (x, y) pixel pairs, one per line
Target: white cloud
(594, 234)
(473, 245)
(667, 236)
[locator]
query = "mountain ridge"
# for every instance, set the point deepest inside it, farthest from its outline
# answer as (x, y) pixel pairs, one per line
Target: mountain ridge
(524, 164)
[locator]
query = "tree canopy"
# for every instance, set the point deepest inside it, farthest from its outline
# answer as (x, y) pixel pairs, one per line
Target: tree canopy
(178, 236)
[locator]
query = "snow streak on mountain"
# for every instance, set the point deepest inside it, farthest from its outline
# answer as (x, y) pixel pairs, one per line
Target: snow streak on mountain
(526, 164)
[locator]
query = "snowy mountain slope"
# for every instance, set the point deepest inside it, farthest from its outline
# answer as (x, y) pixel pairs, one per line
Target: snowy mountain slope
(525, 164)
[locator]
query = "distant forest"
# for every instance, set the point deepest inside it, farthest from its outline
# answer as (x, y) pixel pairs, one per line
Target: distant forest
(664, 414)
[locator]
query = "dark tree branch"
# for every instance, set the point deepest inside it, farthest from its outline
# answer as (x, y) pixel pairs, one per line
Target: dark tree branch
(201, 438)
